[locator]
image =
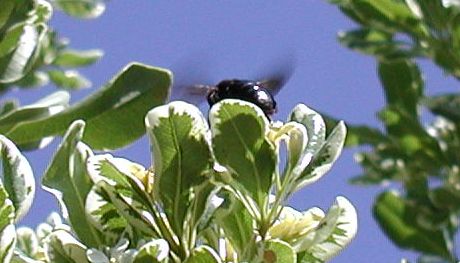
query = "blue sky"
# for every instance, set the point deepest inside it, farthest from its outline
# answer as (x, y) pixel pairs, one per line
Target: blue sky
(228, 39)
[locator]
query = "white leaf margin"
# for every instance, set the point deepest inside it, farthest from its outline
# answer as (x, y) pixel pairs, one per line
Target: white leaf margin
(23, 179)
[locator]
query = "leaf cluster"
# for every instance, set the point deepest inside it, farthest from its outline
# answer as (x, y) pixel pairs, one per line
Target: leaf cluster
(31, 52)
(420, 154)
(214, 193)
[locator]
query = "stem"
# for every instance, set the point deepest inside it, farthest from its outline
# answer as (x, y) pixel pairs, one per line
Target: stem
(449, 243)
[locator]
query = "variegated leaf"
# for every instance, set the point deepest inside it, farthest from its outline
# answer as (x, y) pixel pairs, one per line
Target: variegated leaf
(18, 179)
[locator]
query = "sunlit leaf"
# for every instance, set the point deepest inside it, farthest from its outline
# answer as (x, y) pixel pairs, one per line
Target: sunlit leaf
(67, 179)
(182, 156)
(277, 251)
(64, 248)
(82, 8)
(203, 254)
(27, 241)
(154, 251)
(313, 168)
(333, 233)
(7, 228)
(77, 58)
(17, 63)
(18, 179)
(116, 183)
(239, 141)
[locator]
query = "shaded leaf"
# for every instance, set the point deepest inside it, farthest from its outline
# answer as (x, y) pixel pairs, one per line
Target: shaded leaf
(45, 107)
(403, 85)
(64, 248)
(69, 79)
(238, 226)
(152, 252)
(377, 43)
(126, 99)
(398, 220)
(203, 254)
(446, 105)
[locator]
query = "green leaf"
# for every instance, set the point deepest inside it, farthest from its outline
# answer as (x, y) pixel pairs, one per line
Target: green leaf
(377, 43)
(203, 254)
(456, 33)
(278, 251)
(20, 257)
(133, 212)
(358, 134)
(62, 247)
(446, 105)
(314, 167)
(403, 85)
(6, 10)
(182, 157)
(238, 226)
(69, 79)
(386, 15)
(239, 141)
(126, 99)
(33, 79)
(7, 228)
(315, 125)
(10, 39)
(18, 62)
(116, 183)
(82, 8)
(154, 251)
(27, 242)
(445, 198)
(7, 106)
(41, 109)
(77, 58)
(67, 179)
(333, 233)
(104, 216)
(17, 176)
(398, 220)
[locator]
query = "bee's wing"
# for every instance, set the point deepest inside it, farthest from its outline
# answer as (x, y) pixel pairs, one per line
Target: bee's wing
(277, 73)
(195, 94)
(191, 76)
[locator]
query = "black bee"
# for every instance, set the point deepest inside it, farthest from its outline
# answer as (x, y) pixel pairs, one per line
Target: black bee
(258, 92)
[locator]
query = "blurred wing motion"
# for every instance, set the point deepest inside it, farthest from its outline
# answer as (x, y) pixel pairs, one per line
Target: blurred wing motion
(191, 76)
(192, 79)
(277, 73)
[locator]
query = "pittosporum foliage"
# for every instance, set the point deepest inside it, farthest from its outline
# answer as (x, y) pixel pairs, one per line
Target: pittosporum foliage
(421, 155)
(214, 193)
